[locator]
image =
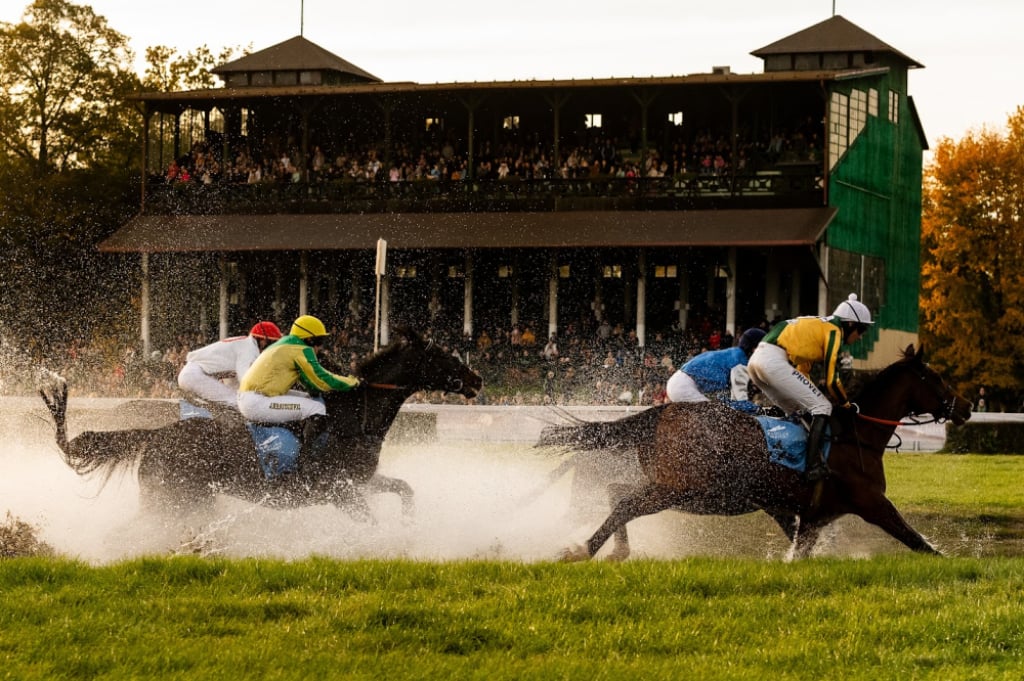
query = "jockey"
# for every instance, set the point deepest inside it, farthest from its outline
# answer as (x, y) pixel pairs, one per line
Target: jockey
(781, 367)
(716, 371)
(206, 367)
(266, 394)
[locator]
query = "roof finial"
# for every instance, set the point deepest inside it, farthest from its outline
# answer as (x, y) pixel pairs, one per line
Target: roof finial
(302, 14)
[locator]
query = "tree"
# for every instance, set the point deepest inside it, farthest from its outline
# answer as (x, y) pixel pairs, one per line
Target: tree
(973, 258)
(166, 71)
(64, 74)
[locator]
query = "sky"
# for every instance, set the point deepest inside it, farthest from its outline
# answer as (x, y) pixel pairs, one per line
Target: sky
(972, 75)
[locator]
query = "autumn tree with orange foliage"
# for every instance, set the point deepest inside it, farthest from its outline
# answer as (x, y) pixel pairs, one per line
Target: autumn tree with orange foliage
(972, 276)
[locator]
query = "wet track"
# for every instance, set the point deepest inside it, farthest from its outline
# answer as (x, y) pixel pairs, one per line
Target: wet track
(482, 491)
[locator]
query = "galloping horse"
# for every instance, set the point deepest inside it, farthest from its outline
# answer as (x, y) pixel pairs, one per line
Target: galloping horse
(183, 466)
(709, 459)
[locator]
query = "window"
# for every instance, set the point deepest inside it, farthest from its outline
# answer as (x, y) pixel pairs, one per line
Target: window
(310, 77)
(873, 102)
(676, 118)
(838, 127)
(405, 272)
(433, 123)
(894, 106)
(563, 271)
(504, 271)
(216, 120)
(456, 272)
(665, 271)
(510, 123)
(262, 78)
(238, 79)
(245, 122)
(593, 120)
(858, 112)
(612, 271)
(286, 78)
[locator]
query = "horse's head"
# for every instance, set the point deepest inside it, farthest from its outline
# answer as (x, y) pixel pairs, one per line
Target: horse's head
(417, 364)
(925, 391)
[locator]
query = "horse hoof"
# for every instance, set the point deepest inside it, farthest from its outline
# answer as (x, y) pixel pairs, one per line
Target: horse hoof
(618, 555)
(574, 554)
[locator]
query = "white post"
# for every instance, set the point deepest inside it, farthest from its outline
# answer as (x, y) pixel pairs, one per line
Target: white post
(684, 297)
(467, 305)
(730, 294)
(379, 268)
(303, 284)
(385, 309)
(144, 305)
(553, 298)
(641, 300)
(222, 311)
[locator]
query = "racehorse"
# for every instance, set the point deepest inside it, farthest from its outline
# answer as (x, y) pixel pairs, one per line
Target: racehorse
(707, 458)
(183, 466)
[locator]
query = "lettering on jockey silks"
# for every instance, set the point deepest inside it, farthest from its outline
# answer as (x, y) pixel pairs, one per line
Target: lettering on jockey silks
(288, 406)
(807, 382)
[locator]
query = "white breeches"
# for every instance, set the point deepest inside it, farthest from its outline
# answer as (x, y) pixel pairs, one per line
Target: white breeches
(192, 379)
(682, 388)
(790, 390)
(293, 406)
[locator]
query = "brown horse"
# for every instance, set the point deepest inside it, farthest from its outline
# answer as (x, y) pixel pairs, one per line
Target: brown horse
(709, 459)
(183, 466)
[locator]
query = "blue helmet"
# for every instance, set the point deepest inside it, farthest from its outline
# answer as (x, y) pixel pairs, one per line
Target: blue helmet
(750, 339)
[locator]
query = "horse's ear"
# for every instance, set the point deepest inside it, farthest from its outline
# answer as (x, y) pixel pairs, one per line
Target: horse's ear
(908, 352)
(407, 335)
(920, 353)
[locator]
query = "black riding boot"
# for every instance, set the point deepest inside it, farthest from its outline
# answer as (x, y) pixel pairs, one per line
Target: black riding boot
(312, 428)
(816, 466)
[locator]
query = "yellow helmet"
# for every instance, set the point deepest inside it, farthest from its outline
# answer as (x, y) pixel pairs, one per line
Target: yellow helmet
(308, 326)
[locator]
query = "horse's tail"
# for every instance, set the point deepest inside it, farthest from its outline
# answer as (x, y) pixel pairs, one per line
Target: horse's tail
(624, 433)
(91, 451)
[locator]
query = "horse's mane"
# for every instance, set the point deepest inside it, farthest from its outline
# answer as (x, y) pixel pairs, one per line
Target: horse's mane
(871, 383)
(368, 365)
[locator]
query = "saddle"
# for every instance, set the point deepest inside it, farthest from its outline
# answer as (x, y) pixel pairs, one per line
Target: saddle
(787, 441)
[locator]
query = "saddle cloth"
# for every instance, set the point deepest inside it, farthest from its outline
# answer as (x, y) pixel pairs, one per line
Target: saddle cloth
(277, 448)
(787, 442)
(187, 410)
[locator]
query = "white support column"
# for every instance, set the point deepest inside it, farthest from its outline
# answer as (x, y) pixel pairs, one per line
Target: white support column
(385, 309)
(354, 307)
(222, 308)
(641, 299)
(144, 305)
(823, 310)
(684, 297)
(730, 294)
(772, 304)
(553, 297)
(467, 305)
(303, 283)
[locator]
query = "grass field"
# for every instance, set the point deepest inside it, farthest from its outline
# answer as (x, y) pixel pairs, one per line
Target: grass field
(895, 616)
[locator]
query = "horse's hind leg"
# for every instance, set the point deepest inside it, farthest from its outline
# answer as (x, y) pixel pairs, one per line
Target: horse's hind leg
(641, 501)
(381, 484)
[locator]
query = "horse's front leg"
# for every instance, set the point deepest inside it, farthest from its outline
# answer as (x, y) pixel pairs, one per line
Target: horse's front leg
(878, 510)
(346, 495)
(381, 484)
(641, 501)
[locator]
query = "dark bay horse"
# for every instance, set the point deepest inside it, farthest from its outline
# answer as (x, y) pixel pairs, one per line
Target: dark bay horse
(183, 466)
(709, 459)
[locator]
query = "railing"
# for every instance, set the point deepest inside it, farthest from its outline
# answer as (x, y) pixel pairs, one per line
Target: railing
(785, 187)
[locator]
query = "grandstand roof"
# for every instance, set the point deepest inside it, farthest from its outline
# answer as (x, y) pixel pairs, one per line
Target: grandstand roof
(283, 232)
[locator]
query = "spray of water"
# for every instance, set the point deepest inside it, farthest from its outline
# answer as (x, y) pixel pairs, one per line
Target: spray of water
(473, 501)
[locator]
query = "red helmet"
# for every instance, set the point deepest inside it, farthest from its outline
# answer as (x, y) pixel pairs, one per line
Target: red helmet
(266, 331)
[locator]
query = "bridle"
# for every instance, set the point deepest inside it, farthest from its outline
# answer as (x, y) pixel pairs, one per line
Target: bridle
(946, 414)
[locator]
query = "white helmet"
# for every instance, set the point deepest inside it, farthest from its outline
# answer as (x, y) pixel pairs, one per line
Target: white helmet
(852, 310)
